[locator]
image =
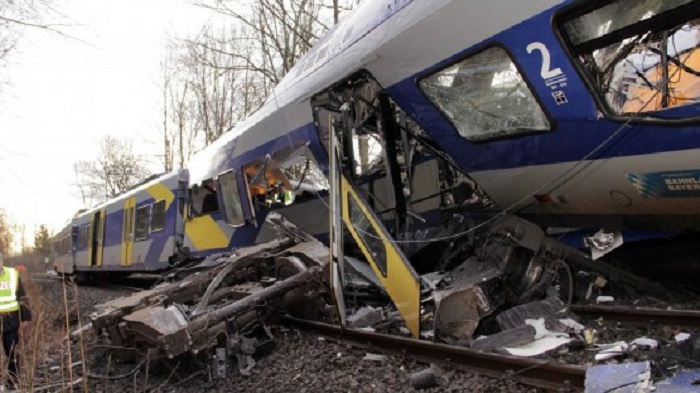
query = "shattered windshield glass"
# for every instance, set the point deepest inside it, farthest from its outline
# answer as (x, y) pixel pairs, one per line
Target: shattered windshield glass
(485, 97)
(616, 16)
(638, 69)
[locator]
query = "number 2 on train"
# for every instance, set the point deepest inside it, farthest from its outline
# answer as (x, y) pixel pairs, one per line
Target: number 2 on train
(546, 72)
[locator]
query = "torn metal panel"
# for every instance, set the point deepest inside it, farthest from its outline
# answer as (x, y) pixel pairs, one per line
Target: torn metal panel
(366, 317)
(520, 335)
(157, 321)
(551, 309)
(458, 312)
(685, 381)
(619, 378)
(538, 347)
(603, 243)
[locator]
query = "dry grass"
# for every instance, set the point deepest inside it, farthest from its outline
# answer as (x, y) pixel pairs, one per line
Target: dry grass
(45, 342)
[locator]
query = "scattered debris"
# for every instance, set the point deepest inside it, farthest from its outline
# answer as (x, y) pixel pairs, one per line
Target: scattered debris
(550, 309)
(366, 317)
(572, 325)
(425, 379)
(685, 381)
(541, 329)
(645, 343)
(538, 347)
(619, 378)
(604, 299)
(433, 280)
(603, 242)
(609, 351)
(520, 335)
(373, 357)
(682, 336)
(590, 336)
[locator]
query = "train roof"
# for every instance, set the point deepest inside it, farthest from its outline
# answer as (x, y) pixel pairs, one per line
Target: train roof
(361, 41)
(180, 174)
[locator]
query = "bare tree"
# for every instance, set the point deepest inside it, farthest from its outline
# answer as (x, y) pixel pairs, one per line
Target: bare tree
(5, 233)
(280, 30)
(217, 78)
(115, 170)
(17, 16)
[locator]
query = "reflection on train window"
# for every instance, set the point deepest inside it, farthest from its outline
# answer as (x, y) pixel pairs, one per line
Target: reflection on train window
(641, 55)
(62, 246)
(83, 236)
(231, 198)
(368, 234)
(158, 216)
(485, 97)
(203, 199)
(142, 219)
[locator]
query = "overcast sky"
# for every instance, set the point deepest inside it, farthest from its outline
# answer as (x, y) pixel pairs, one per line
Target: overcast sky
(65, 95)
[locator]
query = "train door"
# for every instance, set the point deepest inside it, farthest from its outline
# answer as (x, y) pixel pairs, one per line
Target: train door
(128, 232)
(95, 247)
(388, 262)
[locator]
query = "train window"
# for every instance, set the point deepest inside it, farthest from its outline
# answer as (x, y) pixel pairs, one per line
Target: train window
(128, 228)
(370, 237)
(640, 55)
(290, 176)
(62, 246)
(158, 216)
(142, 218)
(203, 199)
(231, 198)
(83, 236)
(485, 97)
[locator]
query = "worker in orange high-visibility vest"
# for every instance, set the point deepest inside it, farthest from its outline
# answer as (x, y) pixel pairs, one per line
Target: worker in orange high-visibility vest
(15, 314)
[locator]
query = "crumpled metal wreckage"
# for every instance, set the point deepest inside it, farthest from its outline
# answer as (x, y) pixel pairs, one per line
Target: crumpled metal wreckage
(221, 306)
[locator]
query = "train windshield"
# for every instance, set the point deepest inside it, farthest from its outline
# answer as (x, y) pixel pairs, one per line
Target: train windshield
(641, 56)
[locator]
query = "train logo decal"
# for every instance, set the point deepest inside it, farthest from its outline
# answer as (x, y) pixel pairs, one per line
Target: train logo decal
(673, 184)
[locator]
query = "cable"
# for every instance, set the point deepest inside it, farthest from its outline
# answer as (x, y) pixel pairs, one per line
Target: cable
(507, 210)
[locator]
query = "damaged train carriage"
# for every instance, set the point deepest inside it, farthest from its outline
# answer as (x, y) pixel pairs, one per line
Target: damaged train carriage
(411, 193)
(409, 211)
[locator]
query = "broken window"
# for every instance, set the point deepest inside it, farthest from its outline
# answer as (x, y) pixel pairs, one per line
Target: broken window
(158, 219)
(203, 199)
(143, 214)
(290, 175)
(641, 56)
(231, 198)
(404, 178)
(372, 242)
(485, 97)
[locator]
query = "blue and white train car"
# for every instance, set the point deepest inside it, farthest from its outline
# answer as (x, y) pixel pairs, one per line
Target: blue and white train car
(574, 114)
(141, 230)
(62, 247)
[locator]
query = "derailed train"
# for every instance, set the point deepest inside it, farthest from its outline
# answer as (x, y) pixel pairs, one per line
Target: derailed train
(425, 124)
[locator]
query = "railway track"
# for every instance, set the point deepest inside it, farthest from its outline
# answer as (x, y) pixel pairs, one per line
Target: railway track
(687, 318)
(539, 373)
(137, 287)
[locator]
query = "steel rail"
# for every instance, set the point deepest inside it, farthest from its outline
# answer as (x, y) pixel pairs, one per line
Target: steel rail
(689, 318)
(539, 373)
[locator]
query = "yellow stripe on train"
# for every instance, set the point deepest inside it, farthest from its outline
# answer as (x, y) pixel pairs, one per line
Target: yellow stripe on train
(205, 233)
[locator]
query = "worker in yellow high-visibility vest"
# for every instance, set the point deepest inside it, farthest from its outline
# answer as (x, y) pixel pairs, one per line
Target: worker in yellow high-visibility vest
(15, 314)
